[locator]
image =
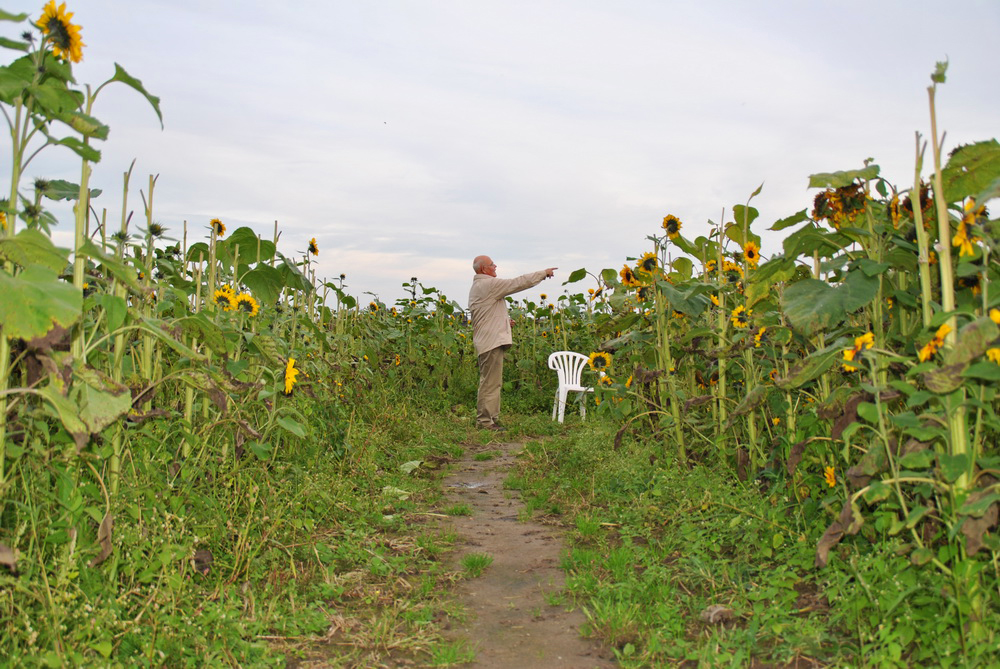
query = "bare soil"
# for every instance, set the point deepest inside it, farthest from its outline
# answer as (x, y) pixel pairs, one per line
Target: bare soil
(510, 622)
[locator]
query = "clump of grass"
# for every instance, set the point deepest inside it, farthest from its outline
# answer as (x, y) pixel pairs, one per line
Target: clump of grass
(459, 510)
(452, 654)
(476, 563)
(485, 455)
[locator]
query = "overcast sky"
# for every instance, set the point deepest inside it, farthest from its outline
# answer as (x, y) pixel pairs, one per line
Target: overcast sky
(409, 137)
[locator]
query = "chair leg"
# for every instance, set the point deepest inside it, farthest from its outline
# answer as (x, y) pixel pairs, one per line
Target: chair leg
(562, 404)
(583, 405)
(555, 405)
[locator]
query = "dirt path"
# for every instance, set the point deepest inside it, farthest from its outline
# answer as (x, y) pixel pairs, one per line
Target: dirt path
(511, 623)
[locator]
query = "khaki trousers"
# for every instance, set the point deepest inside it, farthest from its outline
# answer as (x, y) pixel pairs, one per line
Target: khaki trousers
(490, 381)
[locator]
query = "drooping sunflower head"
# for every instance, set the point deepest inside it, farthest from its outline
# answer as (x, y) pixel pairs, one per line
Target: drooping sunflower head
(61, 33)
(225, 298)
(244, 302)
(758, 338)
(740, 317)
(628, 277)
(605, 380)
(672, 225)
(892, 209)
(752, 253)
(373, 306)
(710, 267)
(290, 374)
(544, 297)
(648, 262)
(599, 361)
(313, 247)
(218, 227)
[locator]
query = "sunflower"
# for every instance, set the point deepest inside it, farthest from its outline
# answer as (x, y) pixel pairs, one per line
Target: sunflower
(628, 277)
(710, 267)
(759, 337)
(648, 262)
(733, 272)
(672, 225)
(605, 381)
(599, 361)
(3, 220)
(752, 253)
(963, 240)
(893, 210)
(373, 306)
(830, 476)
(995, 316)
(935, 344)
(993, 354)
(714, 298)
(218, 227)
(290, 374)
(628, 381)
(740, 317)
(63, 35)
(398, 360)
(244, 302)
(225, 298)
(849, 354)
(544, 297)
(313, 247)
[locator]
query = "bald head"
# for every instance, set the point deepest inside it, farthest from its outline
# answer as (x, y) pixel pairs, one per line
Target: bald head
(480, 263)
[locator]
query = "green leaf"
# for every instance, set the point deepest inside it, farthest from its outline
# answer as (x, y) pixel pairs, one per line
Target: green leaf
(841, 179)
(205, 331)
(609, 276)
(60, 189)
(918, 460)
(102, 400)
(811, 367)
(115, 307)
(248, 242)
(264, 282)
(921, 556)
(869, 412)
(292, 426)
(262, 451)
(31, 247)
(16, 18)
(158, 329)
(916, 513)
(872, 268)
(877, 492)
(938, 75)
(972, 341)
(953, 466)
(85, 151)
(741, 211)
(986, 371)
(118, 269)
(812, 305)
(14, 44)
(127, 79)
(578, 275)
(789, 221)
(409, 467)
(35, 301)
(979, 505)
(971, 168)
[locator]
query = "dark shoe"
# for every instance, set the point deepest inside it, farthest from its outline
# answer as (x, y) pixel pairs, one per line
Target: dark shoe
(492, 428)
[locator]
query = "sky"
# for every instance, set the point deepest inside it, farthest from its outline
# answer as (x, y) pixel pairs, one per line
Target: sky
(410, 137)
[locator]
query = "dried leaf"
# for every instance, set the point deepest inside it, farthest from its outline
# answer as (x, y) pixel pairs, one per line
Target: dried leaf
(104, 539)
(849, 522)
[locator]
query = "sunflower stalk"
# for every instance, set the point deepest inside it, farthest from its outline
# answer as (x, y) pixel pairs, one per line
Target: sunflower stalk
(666, 365)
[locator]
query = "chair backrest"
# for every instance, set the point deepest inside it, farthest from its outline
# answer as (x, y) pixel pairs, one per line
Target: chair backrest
(569, 365)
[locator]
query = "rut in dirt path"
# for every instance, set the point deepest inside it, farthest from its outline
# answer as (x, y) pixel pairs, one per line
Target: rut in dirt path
(511, 623)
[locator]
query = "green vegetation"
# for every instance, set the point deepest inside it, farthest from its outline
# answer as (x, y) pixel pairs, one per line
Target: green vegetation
(787, 459)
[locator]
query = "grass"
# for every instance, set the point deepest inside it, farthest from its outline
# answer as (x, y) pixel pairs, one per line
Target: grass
(462, 509)
(475, 564)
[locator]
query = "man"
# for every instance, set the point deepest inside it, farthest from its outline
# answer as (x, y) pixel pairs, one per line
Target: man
(491, 331)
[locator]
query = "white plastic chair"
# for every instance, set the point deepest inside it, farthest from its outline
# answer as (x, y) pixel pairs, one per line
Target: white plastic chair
(569, 366)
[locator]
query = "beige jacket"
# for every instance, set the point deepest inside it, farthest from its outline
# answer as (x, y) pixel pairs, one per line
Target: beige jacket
(490, 322)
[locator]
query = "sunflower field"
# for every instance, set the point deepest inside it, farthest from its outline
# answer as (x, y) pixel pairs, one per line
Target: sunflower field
(205, 449)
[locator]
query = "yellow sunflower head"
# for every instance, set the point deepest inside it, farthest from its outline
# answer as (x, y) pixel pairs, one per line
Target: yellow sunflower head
(225, 299)
(313, 247)
(244, 302)
(628, 277)
(752, 253)
(672, 225)
(218, 227)
(61, 33)
(290, 374)
(599, 361)
(740, 317)
(648, 262)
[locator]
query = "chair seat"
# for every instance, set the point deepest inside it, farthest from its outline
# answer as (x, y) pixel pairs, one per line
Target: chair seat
(569, 366)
